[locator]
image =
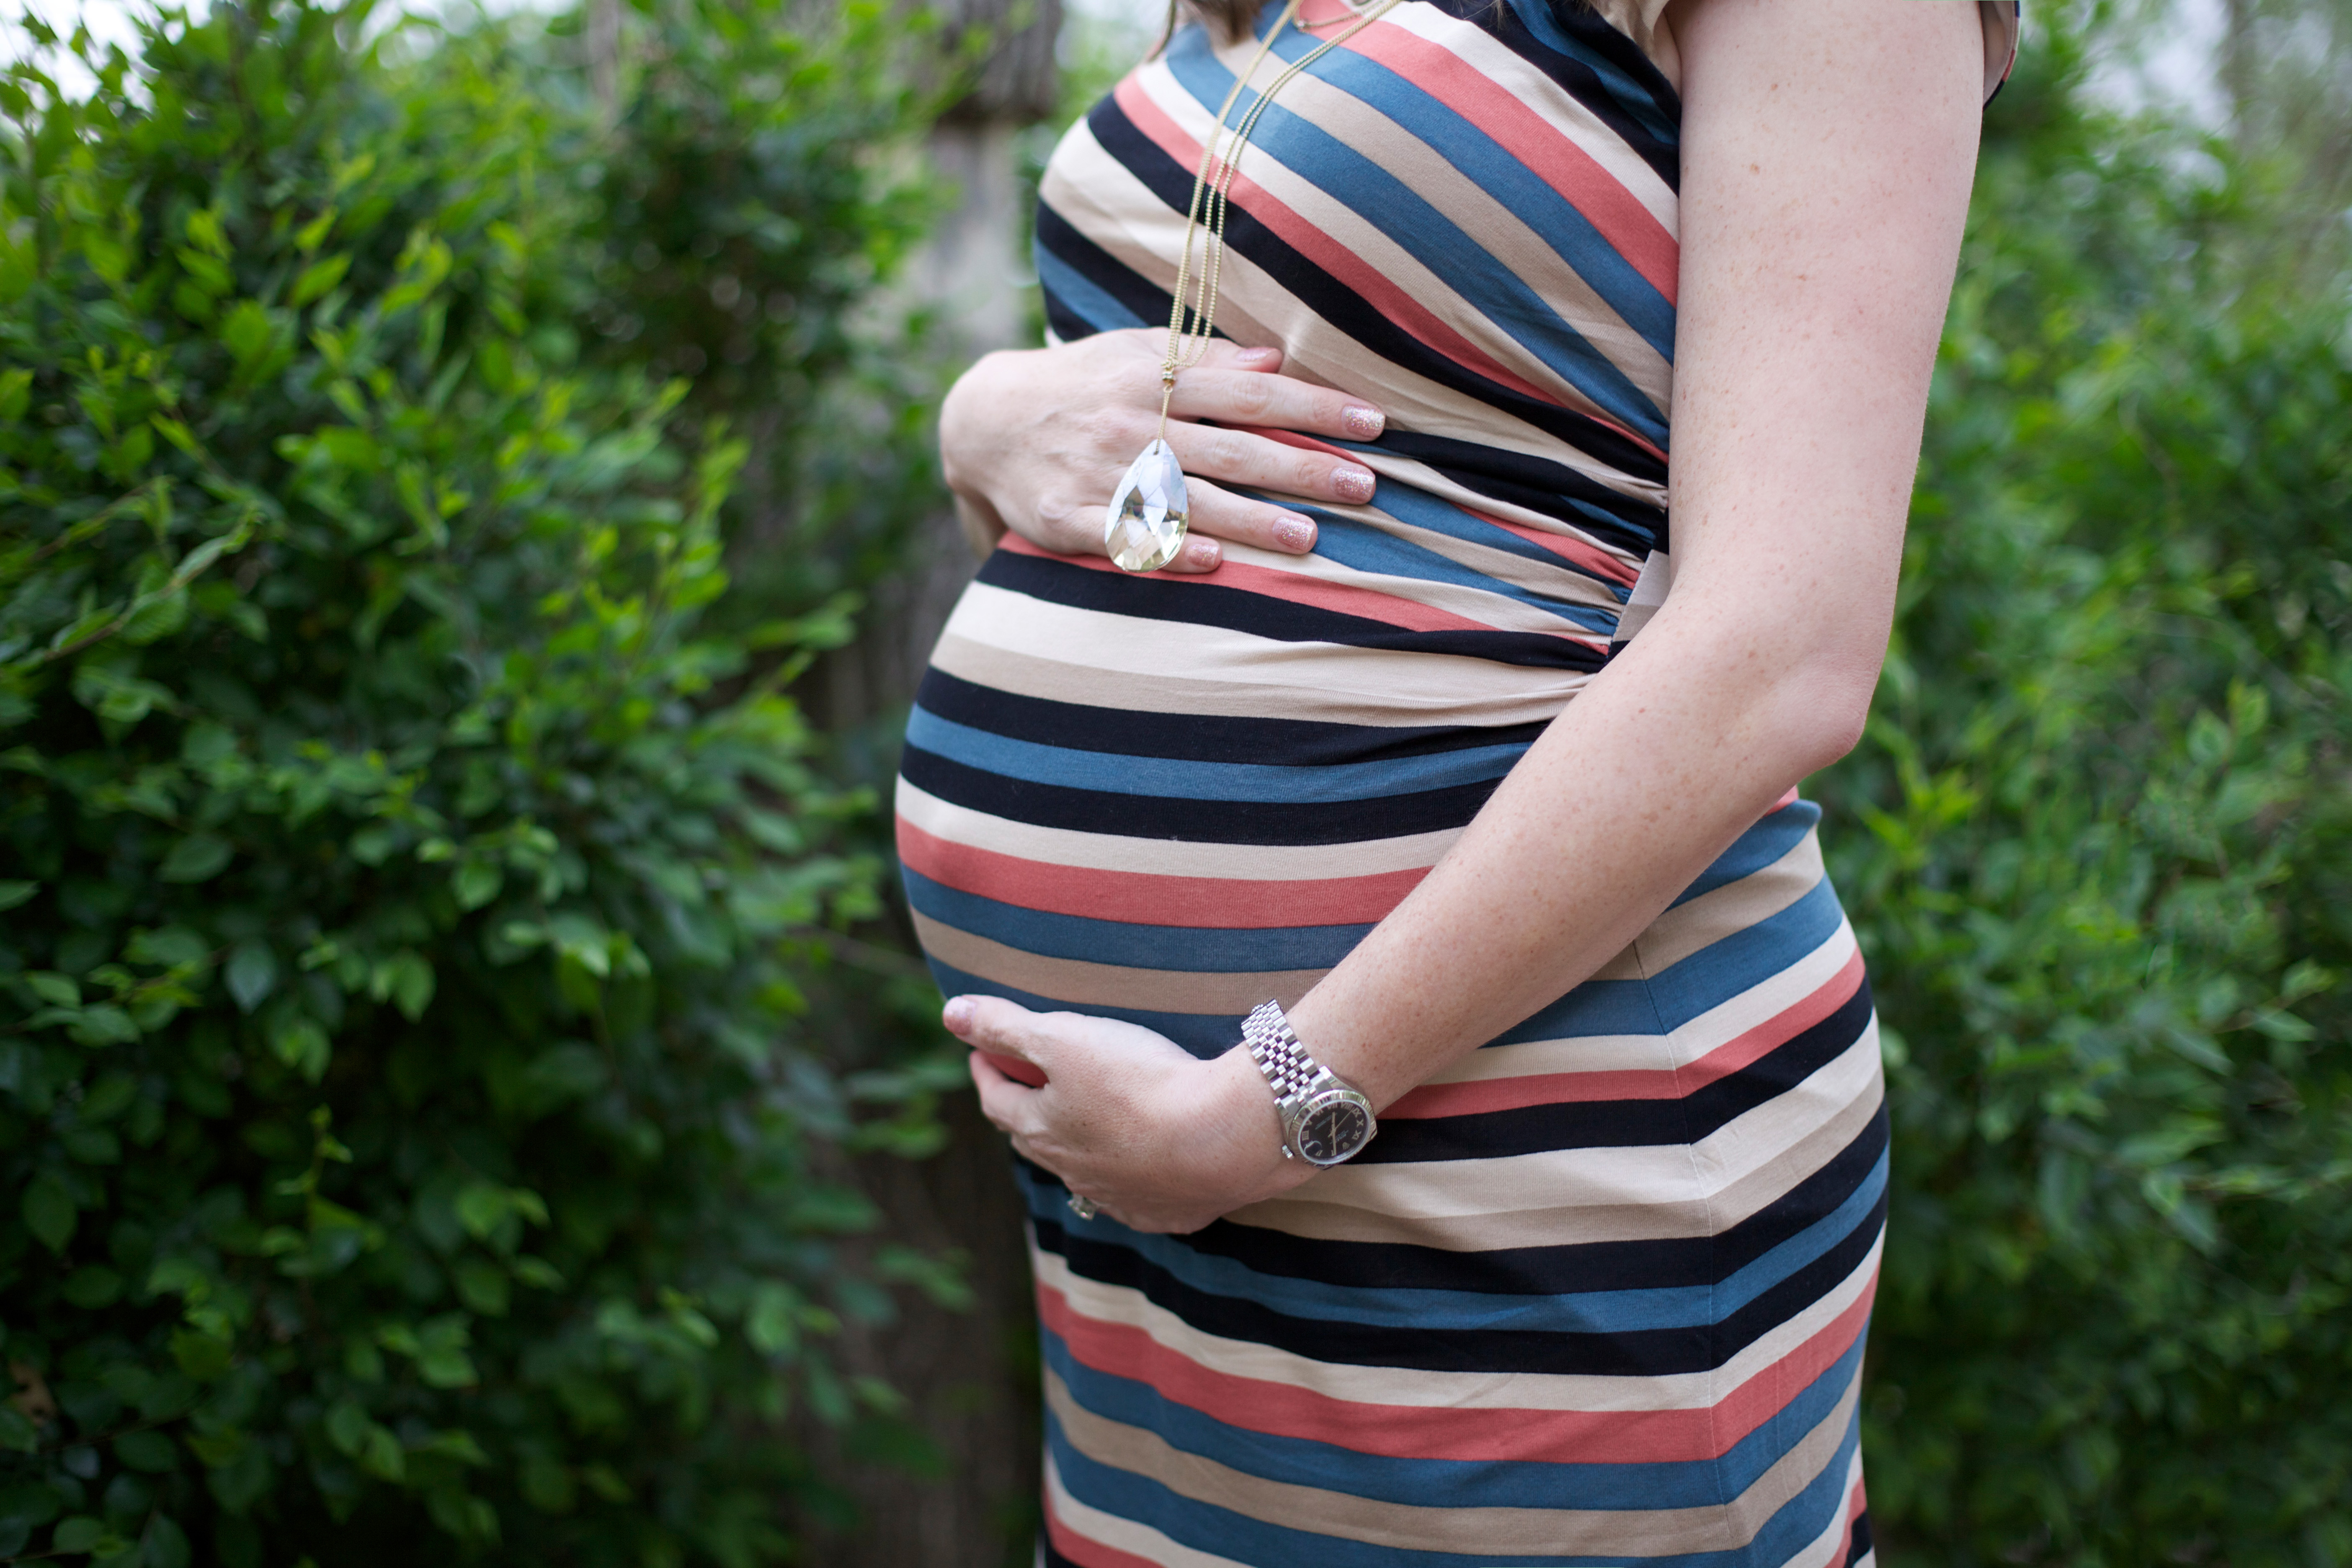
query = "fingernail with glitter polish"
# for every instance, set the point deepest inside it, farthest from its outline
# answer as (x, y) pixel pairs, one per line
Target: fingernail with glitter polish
(1294, 534)
(1364, 423)
(1258, 356)
(1353, 484)
(1202, 552)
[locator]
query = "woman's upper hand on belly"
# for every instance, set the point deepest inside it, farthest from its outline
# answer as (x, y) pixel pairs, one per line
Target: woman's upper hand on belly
(1037, 441)
(1160, 1139)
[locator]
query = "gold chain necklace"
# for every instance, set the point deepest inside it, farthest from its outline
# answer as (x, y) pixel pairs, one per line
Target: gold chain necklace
(1149, 512)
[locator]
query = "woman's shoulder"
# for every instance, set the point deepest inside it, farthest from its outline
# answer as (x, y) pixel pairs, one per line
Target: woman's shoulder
(1646, 25)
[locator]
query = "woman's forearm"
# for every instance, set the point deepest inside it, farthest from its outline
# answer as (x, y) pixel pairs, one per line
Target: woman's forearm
(1650, 775)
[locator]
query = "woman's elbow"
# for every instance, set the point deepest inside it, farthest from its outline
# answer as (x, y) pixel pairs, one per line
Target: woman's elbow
(1827, 700)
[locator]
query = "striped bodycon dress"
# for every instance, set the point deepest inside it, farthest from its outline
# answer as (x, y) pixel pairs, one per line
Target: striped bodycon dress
(1597, 1293)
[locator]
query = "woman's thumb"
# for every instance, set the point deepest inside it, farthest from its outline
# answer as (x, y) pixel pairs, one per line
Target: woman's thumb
(998, 1030)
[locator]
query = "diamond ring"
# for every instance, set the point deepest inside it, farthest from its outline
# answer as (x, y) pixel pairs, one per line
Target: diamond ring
(1085, 1208)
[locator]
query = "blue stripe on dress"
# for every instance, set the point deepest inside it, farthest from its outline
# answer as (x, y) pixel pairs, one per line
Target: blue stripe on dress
(1066, 283)
(1365, 547)
(1462, 1483)
(1774, 836)
(1208, 1528)
(1434, 514)
(1584, 1312)
(1173, 779)
(1533, 200)
(1389, 205)
(1635, 97)
(1747, 958)
(1188, 950)
(1206, 1035)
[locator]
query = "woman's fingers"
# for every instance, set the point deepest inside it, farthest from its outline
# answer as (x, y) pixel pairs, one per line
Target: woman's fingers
(1010, 1106)
(1217, 513)
(1251, 397)
(1224, 355)
(1260, 462)
(1220, 514)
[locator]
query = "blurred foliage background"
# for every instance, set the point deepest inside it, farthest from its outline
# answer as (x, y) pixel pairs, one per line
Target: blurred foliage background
(2099, 840)
(424, 899)
(457, 1053)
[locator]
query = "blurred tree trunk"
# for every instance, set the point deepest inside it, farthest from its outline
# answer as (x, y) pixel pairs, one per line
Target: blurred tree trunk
(2285, 69)
(970, 279)
(969, 1377)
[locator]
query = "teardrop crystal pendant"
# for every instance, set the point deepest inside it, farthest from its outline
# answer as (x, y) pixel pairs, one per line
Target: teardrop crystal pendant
(1145, 526)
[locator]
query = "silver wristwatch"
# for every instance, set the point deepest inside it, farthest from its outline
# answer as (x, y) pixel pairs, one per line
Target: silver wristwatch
(1325, 1119)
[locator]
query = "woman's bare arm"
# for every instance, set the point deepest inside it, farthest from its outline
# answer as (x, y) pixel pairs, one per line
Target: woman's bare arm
(1828, 147)
(1828, 150)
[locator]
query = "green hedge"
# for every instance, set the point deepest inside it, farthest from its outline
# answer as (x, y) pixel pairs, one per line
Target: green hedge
(2099, 848)
(404, 1108)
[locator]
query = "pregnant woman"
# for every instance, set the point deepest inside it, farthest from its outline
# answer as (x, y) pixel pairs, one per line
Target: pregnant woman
(1446, 1086)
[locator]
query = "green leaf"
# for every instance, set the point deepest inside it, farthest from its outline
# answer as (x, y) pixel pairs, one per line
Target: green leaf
(347, 1426)
(2281, 1024)
(547, 1486)
(252, 974)
(164, 1544)
(92, 1145)
(114, 695)
(320, 276)
(103, 1025)
(483, 1206)
(247, 334)
(17, 1432)
(382, 1455)
(202, 1356)
(49, 1211)
(171, 947)
(772, 1324)
(482, 1286)
(476, 883)
(150, 1450)
(78, 1534)
(411, 985)
(13, 893)
(56, 990)
(455, 1443)
(109, 1098)
(196, 858)
(92, 1288)
(312, 235)
(159, 618)
(302, 1044)
(537, 1273)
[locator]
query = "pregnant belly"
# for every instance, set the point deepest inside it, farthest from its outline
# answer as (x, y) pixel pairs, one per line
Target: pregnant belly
(1169, 799)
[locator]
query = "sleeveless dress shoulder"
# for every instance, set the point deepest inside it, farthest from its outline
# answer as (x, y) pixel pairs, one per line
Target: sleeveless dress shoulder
(1599, 1292)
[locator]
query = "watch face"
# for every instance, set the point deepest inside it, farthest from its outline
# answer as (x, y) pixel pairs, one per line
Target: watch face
(1334, 1127)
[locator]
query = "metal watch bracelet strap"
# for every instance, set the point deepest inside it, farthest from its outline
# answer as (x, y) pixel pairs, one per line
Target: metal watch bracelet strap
(1276, 1049)
(1325, 1119)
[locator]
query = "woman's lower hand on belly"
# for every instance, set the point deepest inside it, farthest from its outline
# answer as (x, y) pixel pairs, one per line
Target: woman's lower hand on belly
(1160, 1139)
(1037, 440)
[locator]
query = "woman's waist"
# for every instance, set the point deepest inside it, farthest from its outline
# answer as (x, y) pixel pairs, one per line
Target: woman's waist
(1370, 630)
(1263, 784)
